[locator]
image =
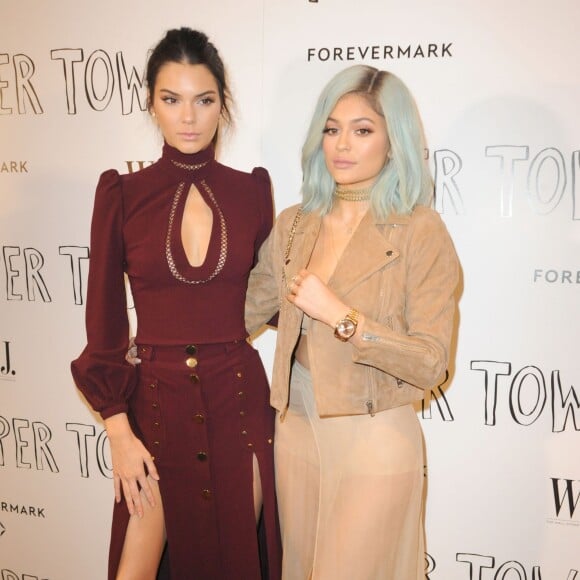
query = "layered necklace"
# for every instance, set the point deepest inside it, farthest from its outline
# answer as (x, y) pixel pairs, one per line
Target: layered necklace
(346, 194)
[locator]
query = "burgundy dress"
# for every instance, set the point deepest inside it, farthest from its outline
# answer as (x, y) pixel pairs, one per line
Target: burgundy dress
(200, 399)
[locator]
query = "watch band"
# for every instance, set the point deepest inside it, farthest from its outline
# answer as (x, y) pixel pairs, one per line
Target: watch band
(353, 315)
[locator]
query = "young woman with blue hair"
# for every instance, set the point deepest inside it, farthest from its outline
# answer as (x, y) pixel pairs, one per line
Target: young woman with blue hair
(363, 274)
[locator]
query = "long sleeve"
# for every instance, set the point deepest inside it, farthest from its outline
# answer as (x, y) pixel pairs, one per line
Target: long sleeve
(418, 352)
(266, 207)
(101, 372)
(263, 295)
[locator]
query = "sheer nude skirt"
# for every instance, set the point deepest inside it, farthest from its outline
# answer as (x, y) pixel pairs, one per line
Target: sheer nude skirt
(349, 491)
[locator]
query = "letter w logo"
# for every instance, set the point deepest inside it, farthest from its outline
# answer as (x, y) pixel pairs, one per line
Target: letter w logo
(567, 493)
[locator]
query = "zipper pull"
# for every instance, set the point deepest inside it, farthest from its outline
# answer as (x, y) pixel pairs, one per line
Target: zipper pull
(283, 414)
(370, 408)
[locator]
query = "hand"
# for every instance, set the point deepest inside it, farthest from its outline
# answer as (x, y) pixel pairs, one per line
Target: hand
(309, 293)
(131, 356)
(130, 458)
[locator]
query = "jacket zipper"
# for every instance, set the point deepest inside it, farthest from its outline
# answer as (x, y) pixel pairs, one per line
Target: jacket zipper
(370, 408)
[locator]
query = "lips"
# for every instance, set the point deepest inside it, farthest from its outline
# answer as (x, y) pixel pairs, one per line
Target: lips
(189, 136)
(342, 163)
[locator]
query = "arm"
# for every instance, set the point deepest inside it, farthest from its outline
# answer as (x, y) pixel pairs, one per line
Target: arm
(262, 297)
(419, 355)
(101, 372)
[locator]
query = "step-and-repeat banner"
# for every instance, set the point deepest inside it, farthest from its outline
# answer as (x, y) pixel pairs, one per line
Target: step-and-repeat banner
(498, 86)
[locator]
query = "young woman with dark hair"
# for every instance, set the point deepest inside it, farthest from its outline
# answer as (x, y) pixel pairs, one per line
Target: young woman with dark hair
(190, 428)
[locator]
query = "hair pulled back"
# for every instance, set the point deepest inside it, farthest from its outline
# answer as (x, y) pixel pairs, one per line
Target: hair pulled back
(184, 45)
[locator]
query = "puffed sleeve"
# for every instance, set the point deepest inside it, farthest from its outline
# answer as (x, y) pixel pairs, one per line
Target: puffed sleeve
(101, 372)
(265, 207)
(421, 354)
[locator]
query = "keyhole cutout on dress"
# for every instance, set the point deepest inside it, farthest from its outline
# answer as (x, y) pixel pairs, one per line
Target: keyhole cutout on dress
(196, 227)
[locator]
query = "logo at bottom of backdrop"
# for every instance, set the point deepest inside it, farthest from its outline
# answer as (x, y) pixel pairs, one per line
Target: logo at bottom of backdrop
(566, 497)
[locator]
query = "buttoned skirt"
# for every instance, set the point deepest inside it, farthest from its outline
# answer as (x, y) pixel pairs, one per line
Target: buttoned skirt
(203, 412)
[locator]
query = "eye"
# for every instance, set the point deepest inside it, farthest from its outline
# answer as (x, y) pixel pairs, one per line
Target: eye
(206, 101)
(169, 100)
(330, 130)
(363, 131)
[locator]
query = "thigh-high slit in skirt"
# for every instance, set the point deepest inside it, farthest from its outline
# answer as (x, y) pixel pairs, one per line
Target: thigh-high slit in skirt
(203, 412)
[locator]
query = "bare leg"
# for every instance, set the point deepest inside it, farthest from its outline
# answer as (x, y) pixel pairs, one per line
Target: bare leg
(257, 489)
(144, 541)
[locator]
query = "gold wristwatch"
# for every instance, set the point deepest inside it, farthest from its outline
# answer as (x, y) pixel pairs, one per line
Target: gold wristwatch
(346, 327)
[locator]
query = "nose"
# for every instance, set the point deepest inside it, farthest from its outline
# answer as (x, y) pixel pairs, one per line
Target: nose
(343, 141)
(188, 116)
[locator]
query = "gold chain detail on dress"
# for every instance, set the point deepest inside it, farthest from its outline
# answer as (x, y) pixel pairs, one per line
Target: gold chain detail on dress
(353, 194)
(223, 238)
(189, 167)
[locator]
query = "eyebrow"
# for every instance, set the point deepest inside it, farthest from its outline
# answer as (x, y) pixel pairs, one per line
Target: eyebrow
(204, 94)
(357, 120)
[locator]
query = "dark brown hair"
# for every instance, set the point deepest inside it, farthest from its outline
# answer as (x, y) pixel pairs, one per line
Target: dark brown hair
(184, 45)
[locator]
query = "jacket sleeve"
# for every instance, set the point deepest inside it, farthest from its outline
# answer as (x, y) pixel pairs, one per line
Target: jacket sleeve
(101, 372)
(264, 286)
(419, 355)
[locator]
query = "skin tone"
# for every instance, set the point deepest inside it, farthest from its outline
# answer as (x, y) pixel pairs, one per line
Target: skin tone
(186, 106)
(356, 147)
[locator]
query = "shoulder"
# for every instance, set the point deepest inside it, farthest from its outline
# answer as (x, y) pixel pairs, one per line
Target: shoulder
(429, 233)
(109, 186)
(261, 176)
(108, 202)
(109, 179)
(426, 218)
(258, 176)
(287, 216)
(254, 188)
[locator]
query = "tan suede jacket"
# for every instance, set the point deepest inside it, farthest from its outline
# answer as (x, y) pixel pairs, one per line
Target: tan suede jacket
(401, 273)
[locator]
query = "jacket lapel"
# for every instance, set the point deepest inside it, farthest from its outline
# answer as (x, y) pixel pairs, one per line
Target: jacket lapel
(367, 252)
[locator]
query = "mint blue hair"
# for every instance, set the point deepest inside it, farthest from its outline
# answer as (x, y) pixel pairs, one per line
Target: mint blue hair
(405, 180)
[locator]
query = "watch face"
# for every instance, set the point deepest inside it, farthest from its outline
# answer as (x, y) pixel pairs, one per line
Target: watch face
(345, 328)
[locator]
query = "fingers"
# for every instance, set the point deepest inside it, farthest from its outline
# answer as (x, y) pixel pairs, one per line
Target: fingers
(134, 484)
(132, 497)
(146, 489)
(131, 356)
(295, 283)
(151, 468)
(117, 484)
(132, 489)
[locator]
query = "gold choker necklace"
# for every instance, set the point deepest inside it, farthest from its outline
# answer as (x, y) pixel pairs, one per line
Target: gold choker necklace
(353, 194)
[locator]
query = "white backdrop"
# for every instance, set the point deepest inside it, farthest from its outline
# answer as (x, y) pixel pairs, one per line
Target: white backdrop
(498, 88)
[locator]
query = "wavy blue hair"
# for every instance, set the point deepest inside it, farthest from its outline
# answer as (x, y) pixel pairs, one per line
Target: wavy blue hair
(405, 181)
